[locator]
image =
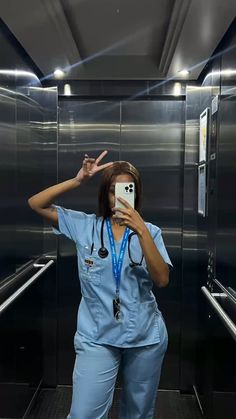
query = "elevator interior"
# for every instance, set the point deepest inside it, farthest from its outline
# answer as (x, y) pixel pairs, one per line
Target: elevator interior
(44, 135)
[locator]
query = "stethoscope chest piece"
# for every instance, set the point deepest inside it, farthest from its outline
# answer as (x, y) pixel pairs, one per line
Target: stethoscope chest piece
(103, 252)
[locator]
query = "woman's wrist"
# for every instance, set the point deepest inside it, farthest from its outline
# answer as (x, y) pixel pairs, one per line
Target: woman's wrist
(77, 181)
(142, 232)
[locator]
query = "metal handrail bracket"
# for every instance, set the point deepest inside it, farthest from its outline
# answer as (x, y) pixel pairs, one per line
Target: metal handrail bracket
(20, 290)
(229, 324)
(225, 290)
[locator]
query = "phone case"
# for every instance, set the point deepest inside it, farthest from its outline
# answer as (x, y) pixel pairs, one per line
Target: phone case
(125, 190)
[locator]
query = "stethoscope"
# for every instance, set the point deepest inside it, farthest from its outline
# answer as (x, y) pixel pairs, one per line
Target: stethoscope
(103, 252)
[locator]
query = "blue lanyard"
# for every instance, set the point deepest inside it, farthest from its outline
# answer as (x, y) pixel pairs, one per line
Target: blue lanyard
(117, 265)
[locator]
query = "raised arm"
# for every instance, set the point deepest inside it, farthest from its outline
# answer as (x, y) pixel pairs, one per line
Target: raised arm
(42, 201)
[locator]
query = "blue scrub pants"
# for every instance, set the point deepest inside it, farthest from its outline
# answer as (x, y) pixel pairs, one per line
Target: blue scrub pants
(95, 373)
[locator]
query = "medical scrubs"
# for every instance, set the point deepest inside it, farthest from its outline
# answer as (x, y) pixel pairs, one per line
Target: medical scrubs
(139, 338)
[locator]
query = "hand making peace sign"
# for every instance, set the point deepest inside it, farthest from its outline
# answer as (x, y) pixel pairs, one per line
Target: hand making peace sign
(90, 166)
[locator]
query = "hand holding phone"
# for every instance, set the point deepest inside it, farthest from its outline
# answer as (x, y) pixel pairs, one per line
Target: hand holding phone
(125, 190)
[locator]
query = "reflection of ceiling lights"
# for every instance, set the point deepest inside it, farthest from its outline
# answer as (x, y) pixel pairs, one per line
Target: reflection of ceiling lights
(58, 73)
(67, 90)
(177, 89)
(226, 72)
(18, 73)
(183, 73)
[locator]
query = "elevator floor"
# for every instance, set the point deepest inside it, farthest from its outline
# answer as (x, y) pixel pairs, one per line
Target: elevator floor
(55, 404)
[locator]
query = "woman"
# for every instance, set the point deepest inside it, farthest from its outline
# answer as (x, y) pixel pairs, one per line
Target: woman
(119, 259)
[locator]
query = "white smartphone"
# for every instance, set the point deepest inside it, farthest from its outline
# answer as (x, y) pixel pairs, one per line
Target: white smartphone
(125, 190)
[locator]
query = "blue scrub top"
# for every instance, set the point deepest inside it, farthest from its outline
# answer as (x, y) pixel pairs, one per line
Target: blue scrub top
(140, 313)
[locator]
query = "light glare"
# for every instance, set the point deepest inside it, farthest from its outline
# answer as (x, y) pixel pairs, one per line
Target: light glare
(58, 73)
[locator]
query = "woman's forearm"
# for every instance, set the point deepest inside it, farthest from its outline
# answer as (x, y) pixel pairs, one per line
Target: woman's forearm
(156, 265)
(48, 196)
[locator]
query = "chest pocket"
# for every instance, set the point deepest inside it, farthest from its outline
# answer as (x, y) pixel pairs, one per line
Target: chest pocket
(91, 266)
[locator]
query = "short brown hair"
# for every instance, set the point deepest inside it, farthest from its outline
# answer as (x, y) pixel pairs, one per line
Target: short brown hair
(117, 168)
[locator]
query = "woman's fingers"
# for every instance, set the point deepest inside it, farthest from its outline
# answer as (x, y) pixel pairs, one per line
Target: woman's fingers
(125, 211)
(124, 202)
(121, 216)
(103, 166)
(88, 160)
(92, 164)
(99, 158)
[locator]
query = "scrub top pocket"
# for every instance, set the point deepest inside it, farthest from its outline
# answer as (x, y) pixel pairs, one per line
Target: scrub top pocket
(89, 272)
(91, 264)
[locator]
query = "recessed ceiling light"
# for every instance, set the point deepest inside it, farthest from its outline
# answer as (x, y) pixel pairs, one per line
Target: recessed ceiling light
(184, 72)
(58, 73)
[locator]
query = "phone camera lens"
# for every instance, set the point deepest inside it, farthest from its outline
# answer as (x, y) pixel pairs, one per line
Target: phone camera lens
(126, 188)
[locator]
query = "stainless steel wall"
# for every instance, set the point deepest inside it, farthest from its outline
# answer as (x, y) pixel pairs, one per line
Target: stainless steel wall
(8, 177)
(190, 277)
(18, 163)
(84, 127)
(28, 124)
(209, 242)
(29, 173)
(221, 386)
(150, 134)
(152, 138)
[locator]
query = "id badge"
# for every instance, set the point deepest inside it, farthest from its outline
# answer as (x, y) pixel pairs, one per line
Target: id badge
(116, 308)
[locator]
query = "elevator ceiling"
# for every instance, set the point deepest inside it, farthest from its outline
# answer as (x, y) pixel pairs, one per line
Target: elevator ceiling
(119, 39)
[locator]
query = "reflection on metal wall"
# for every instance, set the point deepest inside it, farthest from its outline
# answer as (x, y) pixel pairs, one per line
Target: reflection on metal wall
(44, 141)
(7, 177)
(28, 124)
(28, 164)
(29, 130)
(226, 178)
(152, 138)
(223, 381)
(216, 245)
(25, 334)
(150, 135)
(85, 127)
(194, 240)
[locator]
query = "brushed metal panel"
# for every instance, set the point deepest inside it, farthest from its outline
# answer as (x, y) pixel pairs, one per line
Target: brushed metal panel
(23, 133)
(8, 206)
(46, 100)
(226, 178)
(29, 227)
(36, 131)
(190, 276)
(216, 386)
(152, 138)
(84, 127)
(222, 348)
(21, 351)
(21, 362)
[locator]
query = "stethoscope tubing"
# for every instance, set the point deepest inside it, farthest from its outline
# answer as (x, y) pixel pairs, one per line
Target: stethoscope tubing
(103, 251)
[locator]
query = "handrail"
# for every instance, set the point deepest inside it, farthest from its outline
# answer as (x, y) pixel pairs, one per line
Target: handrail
(20, 290)
(231, 297)
(229, 324)
(14, 277)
